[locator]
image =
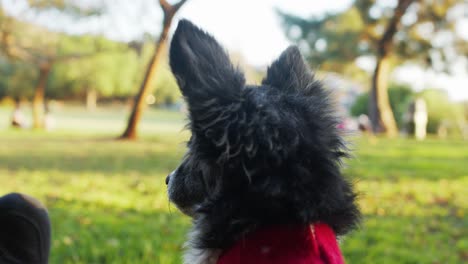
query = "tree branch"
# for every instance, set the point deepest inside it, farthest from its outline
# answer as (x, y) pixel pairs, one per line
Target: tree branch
(165, 5)
(385, 42)
(179, 5)
(15, 53)
(169, 9)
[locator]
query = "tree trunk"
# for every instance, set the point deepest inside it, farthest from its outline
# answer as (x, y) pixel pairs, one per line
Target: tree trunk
(139, 103)
(380, 112)
(38, 100)
(91, 99)
(145, 88)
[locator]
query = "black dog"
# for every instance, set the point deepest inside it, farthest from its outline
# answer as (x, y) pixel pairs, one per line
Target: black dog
(266, 155)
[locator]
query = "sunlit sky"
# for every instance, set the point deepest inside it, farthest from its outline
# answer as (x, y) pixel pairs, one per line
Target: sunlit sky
(248, 27)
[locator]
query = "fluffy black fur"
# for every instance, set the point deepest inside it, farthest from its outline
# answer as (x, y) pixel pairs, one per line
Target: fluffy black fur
(258, 155)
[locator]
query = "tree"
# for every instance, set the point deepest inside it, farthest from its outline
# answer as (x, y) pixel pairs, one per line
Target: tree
(111, 72)
(321, 39)
(37, 46)
(169, 12)
(442, 112)
(400, 97)
(164, 87)
(380, 112)
(411, 30)
(44, 59)
(17, 47)
(17, 79)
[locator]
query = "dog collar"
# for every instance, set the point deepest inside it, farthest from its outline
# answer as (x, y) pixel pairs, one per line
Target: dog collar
(286, 244)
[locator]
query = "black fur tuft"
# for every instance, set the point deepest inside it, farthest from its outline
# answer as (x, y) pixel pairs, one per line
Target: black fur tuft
(290, 73)
(259, 155)
(203, 70)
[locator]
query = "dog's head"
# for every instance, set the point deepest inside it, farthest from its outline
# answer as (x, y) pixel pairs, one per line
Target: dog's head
(269, 152)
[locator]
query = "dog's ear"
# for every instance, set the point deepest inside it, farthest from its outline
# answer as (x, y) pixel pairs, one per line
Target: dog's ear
(290, 73)
(202, 68)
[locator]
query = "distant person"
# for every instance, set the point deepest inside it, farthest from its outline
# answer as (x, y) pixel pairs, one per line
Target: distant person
(24, 230)
(49, 120)
(417, 118)
(442, 129)
(465, 132)
(420, 119)
(348, 124)
(18, 119)
(364, 123)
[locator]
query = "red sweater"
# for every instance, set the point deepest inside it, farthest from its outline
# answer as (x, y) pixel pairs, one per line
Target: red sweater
(314, 244)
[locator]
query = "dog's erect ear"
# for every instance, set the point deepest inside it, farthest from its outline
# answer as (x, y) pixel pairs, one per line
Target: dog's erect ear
(203, 69)
(290, 73)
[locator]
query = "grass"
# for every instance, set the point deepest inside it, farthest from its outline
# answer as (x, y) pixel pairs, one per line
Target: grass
(107, 199)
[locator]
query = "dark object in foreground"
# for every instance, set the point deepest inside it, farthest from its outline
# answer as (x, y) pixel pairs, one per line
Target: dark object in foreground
(24, 230)
(259, 156)
(17, 118)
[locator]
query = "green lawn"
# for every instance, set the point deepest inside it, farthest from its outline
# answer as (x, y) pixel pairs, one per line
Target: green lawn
(108, 204)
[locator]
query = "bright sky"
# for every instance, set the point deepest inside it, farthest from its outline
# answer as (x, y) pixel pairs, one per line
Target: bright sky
(252, 26)
(249, 27)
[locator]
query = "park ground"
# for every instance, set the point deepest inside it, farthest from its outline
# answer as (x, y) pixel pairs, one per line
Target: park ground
(108, 204)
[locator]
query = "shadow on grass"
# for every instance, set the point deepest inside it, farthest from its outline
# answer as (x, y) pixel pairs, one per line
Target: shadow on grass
(105, 156)
(84, 233)
(397, 159)
(404, 240)
(407, 167)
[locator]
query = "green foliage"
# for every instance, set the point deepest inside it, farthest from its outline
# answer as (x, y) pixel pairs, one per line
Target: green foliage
(321, 39)
(399, 95)
(101, 65)
(110, 68)
(5, 70)
(71, 8)
(333, 41)
(442, 111)
(360, 106)
(166, 90)
(81, 64)
(465, 107)
(108, 204)
(17, 79)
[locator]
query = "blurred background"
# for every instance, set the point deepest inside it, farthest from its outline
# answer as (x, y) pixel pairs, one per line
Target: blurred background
(91, 119)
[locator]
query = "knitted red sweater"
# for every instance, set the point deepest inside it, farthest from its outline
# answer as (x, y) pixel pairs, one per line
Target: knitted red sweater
(314, 244)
